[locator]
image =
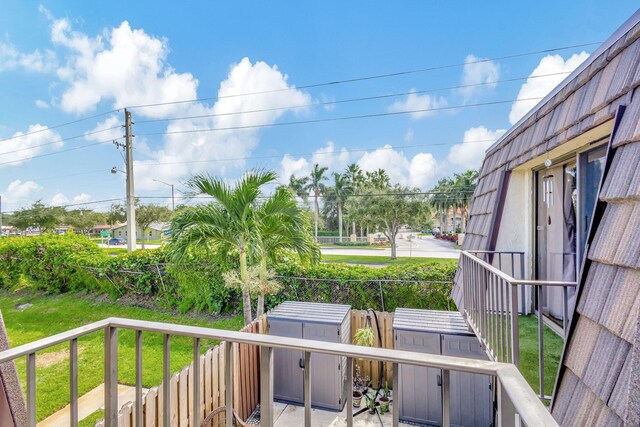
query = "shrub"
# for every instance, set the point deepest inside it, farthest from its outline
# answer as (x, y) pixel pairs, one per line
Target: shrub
(348, 243)
(49, 262)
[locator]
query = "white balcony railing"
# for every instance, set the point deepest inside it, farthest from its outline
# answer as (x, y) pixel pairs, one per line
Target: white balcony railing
(492, 301)
(517, 403)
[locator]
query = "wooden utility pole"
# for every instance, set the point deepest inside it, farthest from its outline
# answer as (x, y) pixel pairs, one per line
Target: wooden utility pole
(131, 199)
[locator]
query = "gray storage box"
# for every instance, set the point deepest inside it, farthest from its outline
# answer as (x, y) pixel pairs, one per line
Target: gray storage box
(313, 321)
(420, 389)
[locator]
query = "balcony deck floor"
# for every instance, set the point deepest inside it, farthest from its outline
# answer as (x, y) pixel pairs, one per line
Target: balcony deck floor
(293, 416)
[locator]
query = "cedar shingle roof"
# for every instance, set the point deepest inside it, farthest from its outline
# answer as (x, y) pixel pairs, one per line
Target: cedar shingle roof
(599, 383)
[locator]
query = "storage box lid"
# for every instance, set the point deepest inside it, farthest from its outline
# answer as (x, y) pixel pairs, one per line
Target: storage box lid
(445, 322)
(310, 312)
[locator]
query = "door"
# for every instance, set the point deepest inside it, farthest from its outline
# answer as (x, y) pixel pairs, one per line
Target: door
(287, 375)
(556, 197)
(326, 370)
(471, 400)
(420, 388)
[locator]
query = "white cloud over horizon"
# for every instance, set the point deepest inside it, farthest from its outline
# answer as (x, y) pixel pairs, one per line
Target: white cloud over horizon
(470, 153)
(481, 72)
(415, 101)
(19, 192)
(539, 87)
(37, 61)
(24, 145)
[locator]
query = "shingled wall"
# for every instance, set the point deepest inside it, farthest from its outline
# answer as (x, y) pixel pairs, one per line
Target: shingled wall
(600, 379)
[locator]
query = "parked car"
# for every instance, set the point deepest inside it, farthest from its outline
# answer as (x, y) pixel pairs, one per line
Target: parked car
(116, 241)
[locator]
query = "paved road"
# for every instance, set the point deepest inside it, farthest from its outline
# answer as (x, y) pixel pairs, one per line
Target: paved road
(423, 247)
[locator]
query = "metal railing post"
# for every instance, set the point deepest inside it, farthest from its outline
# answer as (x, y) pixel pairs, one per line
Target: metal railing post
(266, 388)
(540, 340)
(307, 389)
(228, 380)
(515, 327)
(31, 389)
(396, 395)
(111, 376)
(138, 400)
(565, 311)
(350, 392)
(446, 407)
(166, 380)
(197, 416)
(73, 382)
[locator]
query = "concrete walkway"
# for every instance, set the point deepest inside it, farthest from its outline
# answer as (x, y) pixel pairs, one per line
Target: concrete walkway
(88, 404)
(419, 247)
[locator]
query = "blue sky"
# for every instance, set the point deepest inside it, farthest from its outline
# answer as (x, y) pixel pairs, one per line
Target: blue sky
(65, 61)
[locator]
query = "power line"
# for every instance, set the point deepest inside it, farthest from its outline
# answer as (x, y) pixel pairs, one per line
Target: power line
(69, 205)
(308, 86)
(24, 159)
(335, 119)
(365, 78)
(355, 150)
(59, 140)
(343, 101)
(60, 125)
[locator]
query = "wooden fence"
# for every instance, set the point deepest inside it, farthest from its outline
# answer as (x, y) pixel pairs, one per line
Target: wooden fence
(246, 386)
(371, 368)
(246, 377)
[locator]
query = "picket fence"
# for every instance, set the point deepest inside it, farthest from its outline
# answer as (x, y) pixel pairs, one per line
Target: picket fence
(246, 378)
(246, 385)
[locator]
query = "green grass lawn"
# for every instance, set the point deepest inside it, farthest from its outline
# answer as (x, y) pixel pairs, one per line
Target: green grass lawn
(372, 259)
(114, 251)
(553, 345)
(54, 314)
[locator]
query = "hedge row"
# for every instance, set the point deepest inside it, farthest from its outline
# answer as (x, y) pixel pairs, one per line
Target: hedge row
(66, 263)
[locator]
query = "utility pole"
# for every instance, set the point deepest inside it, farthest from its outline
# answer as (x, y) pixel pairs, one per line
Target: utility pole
(173, 200)
(131, 200)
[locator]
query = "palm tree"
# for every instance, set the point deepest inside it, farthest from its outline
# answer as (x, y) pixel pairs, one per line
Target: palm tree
(282, 225)
(298, 186)
(378, 179)
(466, 183)
(227, 225)
(342, 189)
(316, 185)
(356, 177)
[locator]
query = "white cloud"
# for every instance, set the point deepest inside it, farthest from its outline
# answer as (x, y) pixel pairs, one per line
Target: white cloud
(290, 166)
(541, 86)
(470, 153)
(417, 172)
(24, 145)
(81, 198)
(44, 105)
(408, 136)
(329, 156)
(125, 65)
(11, 59)
(415, 101)
(244, 77)
(422, 170)
(478, 71)
(110, 128)
(18, 192)
(59, 199)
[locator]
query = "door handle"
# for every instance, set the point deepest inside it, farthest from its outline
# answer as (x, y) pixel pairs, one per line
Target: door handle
(439, 381)
(301, 363)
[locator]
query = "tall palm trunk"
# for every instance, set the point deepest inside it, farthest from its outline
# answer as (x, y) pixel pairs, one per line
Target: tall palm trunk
(353, 227)
(340, 220)
(453, 227)
(315, 196)
(246, 297)
(263, 278)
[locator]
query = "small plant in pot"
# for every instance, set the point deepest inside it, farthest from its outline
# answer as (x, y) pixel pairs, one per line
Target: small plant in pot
(384, 400)
(359, 386)
(370, 397)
